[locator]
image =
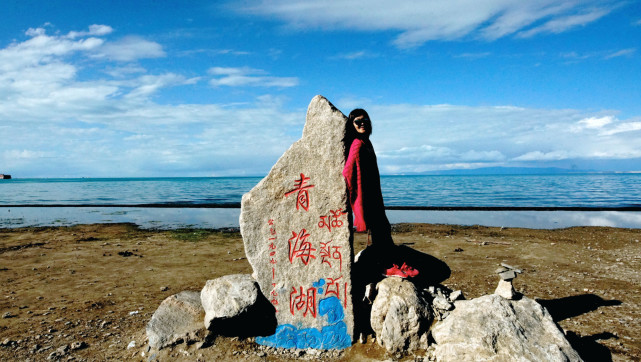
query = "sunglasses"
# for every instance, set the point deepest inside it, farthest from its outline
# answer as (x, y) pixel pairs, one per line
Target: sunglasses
(361, 121)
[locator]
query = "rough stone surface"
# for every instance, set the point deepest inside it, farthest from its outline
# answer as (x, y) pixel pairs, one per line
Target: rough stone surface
(400, 317)
(491, 328)
(505, 289)
(178, 318)
(228, 296)
(508, 275)
(456, 295)
(442, 303)
(296, 233)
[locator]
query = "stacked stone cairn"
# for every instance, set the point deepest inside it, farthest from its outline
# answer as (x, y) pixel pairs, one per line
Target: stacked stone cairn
(296, 234)
(507, 273)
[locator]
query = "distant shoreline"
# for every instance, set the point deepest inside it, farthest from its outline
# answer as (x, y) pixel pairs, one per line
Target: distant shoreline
(172, 217)
(403, 208)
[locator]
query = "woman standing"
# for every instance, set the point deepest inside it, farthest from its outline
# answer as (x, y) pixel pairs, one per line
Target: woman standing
(363, 180)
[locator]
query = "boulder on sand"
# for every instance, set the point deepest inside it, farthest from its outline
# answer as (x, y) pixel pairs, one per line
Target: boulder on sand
(179, 318)
(295, 228)
(232, 300)
(400, 316)
(492, 328)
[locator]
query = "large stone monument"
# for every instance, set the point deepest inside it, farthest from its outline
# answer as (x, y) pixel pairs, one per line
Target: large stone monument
(295, 228)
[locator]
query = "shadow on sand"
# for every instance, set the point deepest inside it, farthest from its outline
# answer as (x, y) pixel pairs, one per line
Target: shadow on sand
(373, 262)
(587, 346)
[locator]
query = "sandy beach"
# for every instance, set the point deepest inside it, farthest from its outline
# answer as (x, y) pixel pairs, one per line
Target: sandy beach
(96, 286)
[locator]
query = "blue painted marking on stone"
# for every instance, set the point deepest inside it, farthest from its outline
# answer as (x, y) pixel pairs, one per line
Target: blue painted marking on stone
(335, 336)
(319, 283)
(309, 338)
(332, 308)
(332, 336)
(284, 337)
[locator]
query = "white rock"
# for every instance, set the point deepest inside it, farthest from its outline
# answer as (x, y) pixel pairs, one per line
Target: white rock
(295, 228)
(228, 296)
(179, 317)
(492, 328)
(400, 317)
(456, 295)
(505, 289)
(442, 303)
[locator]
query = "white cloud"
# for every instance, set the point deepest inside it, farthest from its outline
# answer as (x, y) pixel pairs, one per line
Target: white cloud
(474, 55)
(245, 76)
(355, 55)
(130, 48)
(124, 71)
(623, 127)
(596, 122)
(543, 156)
(563, 23)
(421, 21)
(41, 48)
(94, 30)
(620, 53)
(149, 84)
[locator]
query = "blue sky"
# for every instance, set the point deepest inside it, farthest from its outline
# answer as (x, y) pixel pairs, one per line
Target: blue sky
(207, 88)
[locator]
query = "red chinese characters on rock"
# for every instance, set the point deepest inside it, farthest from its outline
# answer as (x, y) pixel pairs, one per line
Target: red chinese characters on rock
(299, 247)
(332, 220)
(329, 253)
(273, 261)
(302, 197)
(306, 302)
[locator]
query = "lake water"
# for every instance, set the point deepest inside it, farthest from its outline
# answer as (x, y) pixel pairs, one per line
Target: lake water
(102, 200)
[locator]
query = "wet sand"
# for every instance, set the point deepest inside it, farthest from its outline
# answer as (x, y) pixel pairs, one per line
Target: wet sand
(100, 284)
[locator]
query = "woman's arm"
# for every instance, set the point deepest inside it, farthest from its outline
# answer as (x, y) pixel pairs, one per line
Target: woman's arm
(353, 177)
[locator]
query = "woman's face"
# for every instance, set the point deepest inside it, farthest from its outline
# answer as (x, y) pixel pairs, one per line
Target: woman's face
(362, 125)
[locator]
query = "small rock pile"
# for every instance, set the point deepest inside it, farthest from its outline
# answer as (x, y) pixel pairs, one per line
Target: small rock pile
(223, 307)
(507, 273)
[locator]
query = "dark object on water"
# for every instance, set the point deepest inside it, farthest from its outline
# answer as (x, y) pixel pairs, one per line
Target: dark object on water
(4, 177)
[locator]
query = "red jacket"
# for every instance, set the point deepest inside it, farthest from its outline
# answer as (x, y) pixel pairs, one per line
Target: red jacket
(363, 184)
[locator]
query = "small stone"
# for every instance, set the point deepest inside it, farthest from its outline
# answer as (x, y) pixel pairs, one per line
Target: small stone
(501, 269)
(7, 342)
(508, 275)
(78, 345)
(505, 289)
(164, 289)
(131, 345)
(442, 303)
(8, 315)
(456, 295)
(59, 353)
